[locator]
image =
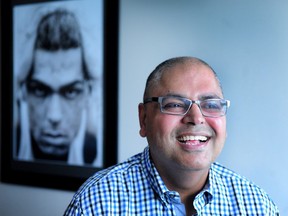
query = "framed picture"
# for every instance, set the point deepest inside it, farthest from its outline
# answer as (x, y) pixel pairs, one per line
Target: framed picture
(60, 85)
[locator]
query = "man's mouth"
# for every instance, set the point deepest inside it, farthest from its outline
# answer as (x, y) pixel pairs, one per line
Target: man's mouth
(190, 138)
(53, 138)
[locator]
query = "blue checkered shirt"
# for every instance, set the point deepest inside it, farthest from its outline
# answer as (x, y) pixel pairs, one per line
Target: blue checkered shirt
(134, 187)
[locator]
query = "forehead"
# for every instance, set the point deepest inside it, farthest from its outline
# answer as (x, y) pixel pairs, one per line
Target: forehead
(190, 80)
(58, 67)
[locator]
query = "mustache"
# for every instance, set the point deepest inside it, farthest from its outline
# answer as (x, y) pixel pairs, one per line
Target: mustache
(195, 129)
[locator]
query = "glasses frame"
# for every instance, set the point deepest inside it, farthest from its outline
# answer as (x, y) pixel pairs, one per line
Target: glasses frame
(191, 102)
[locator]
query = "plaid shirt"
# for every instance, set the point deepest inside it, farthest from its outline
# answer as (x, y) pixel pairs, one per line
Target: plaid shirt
(134, 187)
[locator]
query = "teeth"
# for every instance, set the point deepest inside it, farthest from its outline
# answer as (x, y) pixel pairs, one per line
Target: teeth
(192, 138)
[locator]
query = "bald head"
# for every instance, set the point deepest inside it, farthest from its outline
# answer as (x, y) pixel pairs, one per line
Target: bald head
(154, 78)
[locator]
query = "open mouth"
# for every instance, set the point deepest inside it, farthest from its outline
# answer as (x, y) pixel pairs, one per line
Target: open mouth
(193, 139)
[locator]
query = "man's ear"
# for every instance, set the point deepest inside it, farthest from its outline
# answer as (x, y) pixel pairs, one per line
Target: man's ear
(142, 119)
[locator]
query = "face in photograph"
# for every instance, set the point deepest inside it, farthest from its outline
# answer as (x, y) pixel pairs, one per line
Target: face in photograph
(57, 94)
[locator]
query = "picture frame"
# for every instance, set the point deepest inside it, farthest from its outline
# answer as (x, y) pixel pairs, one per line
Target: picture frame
(37, 149)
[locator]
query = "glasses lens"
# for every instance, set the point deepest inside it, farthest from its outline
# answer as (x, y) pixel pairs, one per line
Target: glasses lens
(213, 107)
(174, 105)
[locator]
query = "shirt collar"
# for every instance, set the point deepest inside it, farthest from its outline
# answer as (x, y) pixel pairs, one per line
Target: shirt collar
(213, 188)
(155, 179)
(217, 186)
(157, 184)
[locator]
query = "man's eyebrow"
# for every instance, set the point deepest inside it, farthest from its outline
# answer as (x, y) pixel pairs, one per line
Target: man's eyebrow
(77, 82)
(34, 82)
(67, 85)
(209, 96)
(202, 97)
(174, 95)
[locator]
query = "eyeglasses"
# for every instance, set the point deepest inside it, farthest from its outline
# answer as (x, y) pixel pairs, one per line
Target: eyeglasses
(180, 106)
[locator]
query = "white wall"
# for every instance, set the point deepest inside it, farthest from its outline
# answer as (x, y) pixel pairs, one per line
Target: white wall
(31, 201)
(247, 44)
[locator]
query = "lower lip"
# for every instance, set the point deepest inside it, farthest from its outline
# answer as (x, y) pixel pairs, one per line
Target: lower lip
(193, 145)
(53, 140)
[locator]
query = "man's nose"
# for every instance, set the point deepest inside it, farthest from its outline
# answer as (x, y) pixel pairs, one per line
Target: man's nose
(194, 115)
(54, 109)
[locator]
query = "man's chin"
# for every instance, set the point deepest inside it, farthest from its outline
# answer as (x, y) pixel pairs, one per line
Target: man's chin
(54, 149)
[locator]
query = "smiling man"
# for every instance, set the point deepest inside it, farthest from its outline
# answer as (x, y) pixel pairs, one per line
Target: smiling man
(183, 117)
(56, 91)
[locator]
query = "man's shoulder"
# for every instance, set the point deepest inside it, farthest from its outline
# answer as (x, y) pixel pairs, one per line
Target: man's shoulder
(113, 175)
(239, 189)
(224, 172)
(229, 177)
(122, 169)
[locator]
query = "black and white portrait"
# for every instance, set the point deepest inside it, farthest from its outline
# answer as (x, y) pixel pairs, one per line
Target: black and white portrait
(58, 82)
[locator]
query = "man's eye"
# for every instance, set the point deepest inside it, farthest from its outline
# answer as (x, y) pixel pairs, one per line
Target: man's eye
(170, 106)
(71, 92)
(211, 105)
(38, 91)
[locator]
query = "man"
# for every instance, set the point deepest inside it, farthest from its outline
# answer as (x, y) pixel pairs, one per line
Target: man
(183, 118)
(55, 94)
